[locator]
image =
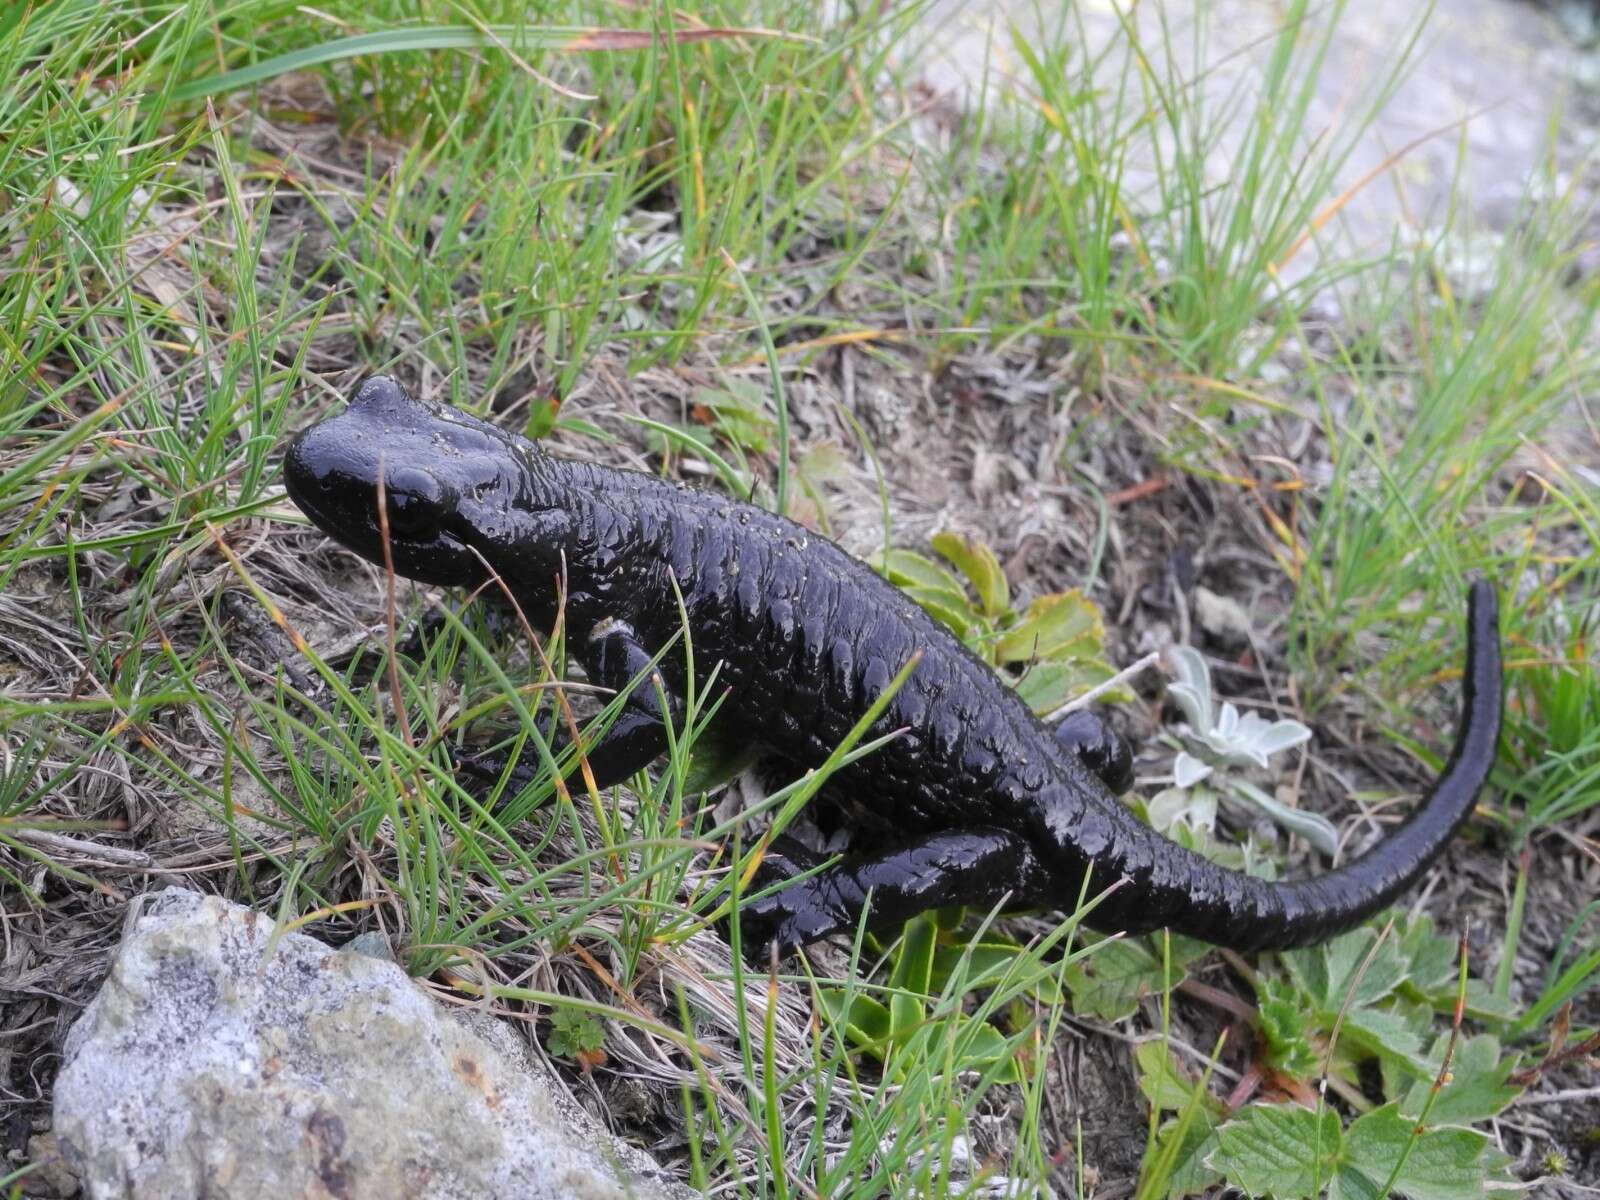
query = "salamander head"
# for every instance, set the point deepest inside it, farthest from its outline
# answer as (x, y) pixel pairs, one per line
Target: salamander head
(458, 492)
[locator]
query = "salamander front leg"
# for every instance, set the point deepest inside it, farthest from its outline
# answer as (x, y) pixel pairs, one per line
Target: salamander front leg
(613, 657)
(977, 867)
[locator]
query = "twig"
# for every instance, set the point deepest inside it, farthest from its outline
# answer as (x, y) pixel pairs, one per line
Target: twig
(1117, 680)
(1138, 491)
(60, 843)
(1561, 1097)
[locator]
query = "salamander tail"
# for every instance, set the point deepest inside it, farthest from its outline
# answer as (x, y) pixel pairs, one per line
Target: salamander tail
(1194, 896)
(1318, 908)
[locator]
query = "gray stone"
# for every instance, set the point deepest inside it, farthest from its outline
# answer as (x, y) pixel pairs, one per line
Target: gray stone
(1487, 73)
(49, 1174)
(211, 1064)
(1223, 617)
(373, 945)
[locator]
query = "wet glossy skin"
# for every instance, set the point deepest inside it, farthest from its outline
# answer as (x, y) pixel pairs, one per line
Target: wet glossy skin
(976, 803)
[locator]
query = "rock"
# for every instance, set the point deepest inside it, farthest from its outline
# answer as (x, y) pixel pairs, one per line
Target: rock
(373, 945)
(1222, 617)
(212, 1065)
(50, 1175)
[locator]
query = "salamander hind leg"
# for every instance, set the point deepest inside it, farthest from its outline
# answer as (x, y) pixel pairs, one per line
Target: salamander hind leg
(978, 867)
(1099, 747)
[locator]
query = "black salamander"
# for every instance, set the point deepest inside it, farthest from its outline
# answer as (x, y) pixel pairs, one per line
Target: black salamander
(976, 803)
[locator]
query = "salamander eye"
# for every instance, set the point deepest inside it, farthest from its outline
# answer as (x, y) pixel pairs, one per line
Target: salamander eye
(413, 499)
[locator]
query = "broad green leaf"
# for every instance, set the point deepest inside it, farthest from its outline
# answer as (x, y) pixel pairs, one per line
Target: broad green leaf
(1392, 1033)
(913, 967)
(980, 1044)
(962, 1042)
(1430, 958)
(1279, 1150)
(1444, 1164)
(978, 563)
(865, 1021)
(1189, 1173)
(986, 964)
(913, 964)
(1483, 1004)
(1061, 625)
(907, 568)
(1182, 951)
(1286, 1027)
(948, 608)
(1163, 1082)
(1476, 1090)
(1109, 982)
(1049, 685)
(1332, 974)
(1431, 969)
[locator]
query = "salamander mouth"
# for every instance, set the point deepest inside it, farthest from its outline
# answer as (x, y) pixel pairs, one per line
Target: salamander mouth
(303, 496)
(435, 555)
(311, 496)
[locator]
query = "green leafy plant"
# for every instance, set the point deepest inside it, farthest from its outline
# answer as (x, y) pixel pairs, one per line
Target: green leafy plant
(1176, 1155)
(1379, 993)
(1359, 999)
(922, 965)
(578, 1036)
(1363, 997)
(1218, 742)
(1123, 971)
(1291, 1152)
(1050, 652)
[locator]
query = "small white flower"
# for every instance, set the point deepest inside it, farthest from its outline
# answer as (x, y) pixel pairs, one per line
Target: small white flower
(1187, 770)
(1227, 738)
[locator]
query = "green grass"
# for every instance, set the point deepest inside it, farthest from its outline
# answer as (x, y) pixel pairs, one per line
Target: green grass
(216, 217)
